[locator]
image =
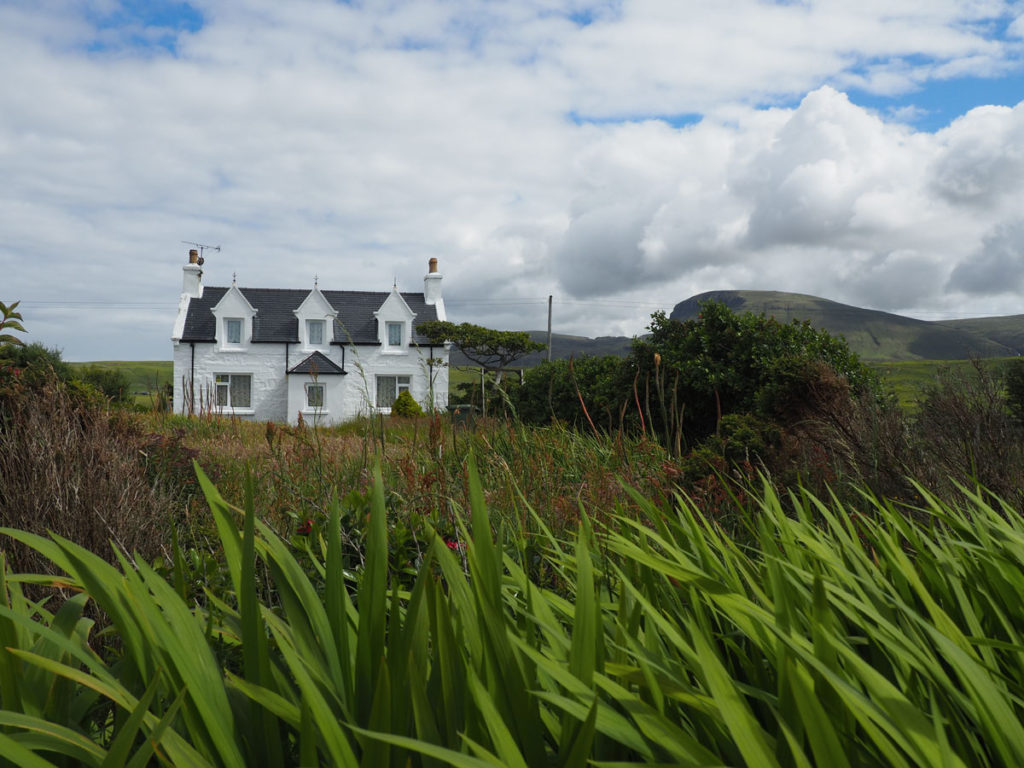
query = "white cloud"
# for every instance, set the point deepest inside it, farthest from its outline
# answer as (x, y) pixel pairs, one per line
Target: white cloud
(355, 142)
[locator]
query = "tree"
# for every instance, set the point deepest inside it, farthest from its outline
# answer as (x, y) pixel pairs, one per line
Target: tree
(695, 372)
(561, 389)
(9, 321)
(112, 382)
(490, 349)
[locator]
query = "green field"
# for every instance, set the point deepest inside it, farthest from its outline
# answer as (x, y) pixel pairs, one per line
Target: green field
(146, 377)
(910, 377)
(906, 378)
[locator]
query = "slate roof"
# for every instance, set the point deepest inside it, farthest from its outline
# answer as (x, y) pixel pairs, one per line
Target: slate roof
(275, 321)
(318, 364)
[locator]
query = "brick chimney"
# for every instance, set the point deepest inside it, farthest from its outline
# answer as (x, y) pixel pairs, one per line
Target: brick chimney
(193, 274)
(432, 289)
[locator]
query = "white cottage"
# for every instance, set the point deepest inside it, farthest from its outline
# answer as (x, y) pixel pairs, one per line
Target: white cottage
(273, 354)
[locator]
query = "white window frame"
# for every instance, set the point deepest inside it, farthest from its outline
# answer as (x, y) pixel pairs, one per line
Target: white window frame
(228, 324)
(400, 327)
(400, 387)
(223, 382)
(313, 385)
(322, 326)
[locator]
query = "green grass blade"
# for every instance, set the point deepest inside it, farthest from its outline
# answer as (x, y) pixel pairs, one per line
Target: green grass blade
(21, 756)
(372, 604)
(38, 734)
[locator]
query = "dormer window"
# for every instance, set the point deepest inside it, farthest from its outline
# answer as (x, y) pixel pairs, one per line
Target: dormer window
(233, 330)
(395, 334)
(315, 332)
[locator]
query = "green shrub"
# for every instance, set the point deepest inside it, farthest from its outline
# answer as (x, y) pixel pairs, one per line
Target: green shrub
(557, 392)
(405, 406)
(112, 382)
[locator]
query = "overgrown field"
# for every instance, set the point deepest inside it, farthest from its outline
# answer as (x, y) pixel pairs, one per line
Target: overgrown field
(810, 633)
(767, 567)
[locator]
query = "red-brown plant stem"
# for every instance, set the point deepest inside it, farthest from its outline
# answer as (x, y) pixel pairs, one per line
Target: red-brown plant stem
(639, 410)
(579, 394)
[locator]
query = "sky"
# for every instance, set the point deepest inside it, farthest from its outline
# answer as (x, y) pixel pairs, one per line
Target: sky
(618, 155)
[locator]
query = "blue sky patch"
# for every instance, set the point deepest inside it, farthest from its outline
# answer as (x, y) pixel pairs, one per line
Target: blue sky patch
(142, 24)
(939, 102)
(681, 120)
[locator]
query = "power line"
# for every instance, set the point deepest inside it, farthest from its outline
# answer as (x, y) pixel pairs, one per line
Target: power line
(66, 304)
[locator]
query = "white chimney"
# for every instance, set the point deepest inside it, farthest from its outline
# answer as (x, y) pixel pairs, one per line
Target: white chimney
(193, 274)
(432, 290)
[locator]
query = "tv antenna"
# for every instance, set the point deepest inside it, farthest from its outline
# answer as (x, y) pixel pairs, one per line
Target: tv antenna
(202, 248)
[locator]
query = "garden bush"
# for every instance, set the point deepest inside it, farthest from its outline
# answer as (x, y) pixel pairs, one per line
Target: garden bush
(405, 406)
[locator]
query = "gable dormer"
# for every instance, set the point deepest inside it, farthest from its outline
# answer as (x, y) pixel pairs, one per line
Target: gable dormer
(394, 324)
(234, 315)
(316, 319)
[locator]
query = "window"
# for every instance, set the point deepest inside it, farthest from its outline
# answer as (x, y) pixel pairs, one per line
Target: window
(233, 330)
(315, 332)
(234, 390)
(395, 334)
(314, 395)
(389, 388)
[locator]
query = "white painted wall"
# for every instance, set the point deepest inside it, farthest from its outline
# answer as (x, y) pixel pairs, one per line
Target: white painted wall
(277, 397)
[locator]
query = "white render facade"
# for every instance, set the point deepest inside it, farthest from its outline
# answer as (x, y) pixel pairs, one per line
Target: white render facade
(324, 356)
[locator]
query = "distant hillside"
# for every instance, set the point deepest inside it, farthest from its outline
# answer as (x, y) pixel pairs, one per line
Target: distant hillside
(876, 335)
(564, 347)
(1007, 330)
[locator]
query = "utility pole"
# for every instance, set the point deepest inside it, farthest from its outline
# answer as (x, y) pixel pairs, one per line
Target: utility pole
(549, 328)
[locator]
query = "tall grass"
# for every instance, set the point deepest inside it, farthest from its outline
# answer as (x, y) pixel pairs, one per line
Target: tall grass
(832, 636)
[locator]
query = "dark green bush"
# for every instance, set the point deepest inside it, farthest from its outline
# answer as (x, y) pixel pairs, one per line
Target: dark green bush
(405, 405)
(112, 382)
(557, 392)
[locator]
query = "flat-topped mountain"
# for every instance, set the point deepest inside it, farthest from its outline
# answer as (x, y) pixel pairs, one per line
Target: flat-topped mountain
(873, 334)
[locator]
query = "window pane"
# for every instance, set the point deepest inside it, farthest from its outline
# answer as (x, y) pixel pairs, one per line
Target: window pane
(316, 331)
(240, 391)
(395, 334)
(234, 329)
(315, 395)
(403, 383)
(386, 393)
(222, 394)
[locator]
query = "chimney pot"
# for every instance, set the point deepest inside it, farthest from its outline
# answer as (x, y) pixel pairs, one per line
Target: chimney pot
(433, 266)
(193, 256)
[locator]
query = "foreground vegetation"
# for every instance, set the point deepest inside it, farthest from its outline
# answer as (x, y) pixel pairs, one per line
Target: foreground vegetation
(819, 635)
(778, 568)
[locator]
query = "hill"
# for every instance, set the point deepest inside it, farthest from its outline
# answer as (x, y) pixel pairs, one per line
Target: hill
(876, 335)
(564, 347)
